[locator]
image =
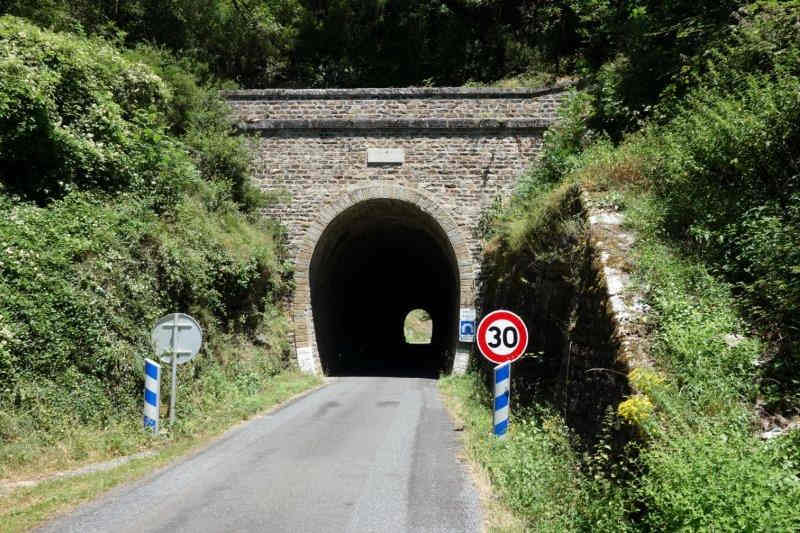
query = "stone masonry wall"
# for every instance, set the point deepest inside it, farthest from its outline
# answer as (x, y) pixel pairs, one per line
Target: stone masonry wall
(360, 104)
(461, 171)
(462, 149)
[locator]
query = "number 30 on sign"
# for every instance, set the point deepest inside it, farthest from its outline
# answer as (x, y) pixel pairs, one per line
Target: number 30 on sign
(502, 337)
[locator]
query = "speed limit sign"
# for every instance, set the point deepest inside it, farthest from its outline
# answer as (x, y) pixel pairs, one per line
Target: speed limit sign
(502, 337)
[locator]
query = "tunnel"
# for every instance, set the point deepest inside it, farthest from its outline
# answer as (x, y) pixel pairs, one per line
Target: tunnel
(373, 264)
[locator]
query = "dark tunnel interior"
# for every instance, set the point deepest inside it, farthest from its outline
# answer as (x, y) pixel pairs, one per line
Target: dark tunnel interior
(373, 264)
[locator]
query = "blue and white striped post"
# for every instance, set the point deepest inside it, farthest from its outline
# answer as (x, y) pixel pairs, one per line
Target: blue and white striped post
(502, 381)
(152, 394)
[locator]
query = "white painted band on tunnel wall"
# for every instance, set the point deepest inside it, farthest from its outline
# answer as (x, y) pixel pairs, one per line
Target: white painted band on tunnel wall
(305, 358)
(461, 361)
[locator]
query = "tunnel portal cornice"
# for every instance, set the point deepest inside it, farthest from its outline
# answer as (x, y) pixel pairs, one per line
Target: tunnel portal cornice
(393, 93)
(397, 124)
(452, 152)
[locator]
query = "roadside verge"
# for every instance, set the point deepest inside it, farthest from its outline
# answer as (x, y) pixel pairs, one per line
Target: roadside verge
(30, 504)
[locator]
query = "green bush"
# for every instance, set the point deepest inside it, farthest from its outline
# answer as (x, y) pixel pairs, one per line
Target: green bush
(77, 115)
(562, 143)
(712, 481)
(702, 468)
(711, 184)
(124, 195)
(727, 174)
(764, 40)
(714, 195)
(203, 120)
(726, 153)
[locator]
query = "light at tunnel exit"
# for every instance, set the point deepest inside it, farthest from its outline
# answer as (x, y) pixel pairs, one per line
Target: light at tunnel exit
(417, 327)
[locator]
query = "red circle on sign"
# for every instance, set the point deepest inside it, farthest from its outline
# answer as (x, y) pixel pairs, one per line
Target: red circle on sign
(502, 351)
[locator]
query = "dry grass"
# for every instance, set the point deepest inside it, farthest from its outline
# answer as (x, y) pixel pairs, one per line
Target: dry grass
(605, 167)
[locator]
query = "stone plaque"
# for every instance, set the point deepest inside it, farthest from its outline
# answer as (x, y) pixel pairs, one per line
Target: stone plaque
(385, 155)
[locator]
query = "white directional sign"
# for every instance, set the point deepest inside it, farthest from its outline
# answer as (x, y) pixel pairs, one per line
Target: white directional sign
(502, 337)
(177, 333)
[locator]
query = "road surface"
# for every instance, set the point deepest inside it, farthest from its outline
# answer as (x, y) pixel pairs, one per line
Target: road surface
(362, 454)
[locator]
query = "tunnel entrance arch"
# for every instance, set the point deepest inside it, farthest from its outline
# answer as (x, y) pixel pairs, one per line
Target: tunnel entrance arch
(370, 257)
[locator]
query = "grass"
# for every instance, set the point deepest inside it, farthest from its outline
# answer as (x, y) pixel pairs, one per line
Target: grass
(26, 507)
(232, 374)
(696, 313)
(533, 79)
(698, 463)
(536, 479)
(704, 467)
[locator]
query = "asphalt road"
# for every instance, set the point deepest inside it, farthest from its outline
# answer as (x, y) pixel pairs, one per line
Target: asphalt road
(362, 454)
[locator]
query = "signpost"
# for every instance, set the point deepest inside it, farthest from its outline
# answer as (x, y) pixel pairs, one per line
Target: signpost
(502, 338)
(502, 393)
(176, 340)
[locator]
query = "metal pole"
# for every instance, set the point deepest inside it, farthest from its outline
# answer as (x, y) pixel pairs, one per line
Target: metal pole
(174, 368)
(502, 390)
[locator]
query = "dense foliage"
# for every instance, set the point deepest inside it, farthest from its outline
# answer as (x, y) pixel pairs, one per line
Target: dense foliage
(724, 162)
(125, 195)
(263, 43)
(704, 160)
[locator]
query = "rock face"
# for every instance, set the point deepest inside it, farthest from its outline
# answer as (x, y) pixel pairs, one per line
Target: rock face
(447, 154)
(613, 245)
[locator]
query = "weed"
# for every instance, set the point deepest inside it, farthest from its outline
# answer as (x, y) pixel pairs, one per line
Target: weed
(535, 472)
